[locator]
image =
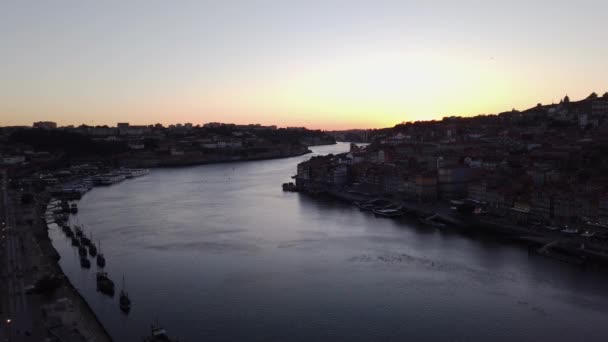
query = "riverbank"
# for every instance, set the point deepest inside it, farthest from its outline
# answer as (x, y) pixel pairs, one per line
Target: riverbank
(142, 160)
(62, 312)
(442, 215)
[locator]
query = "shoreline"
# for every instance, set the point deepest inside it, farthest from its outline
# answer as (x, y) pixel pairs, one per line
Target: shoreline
(39, 298)
(225, 161)
(562, 248)
(85, 307)
(194, 160)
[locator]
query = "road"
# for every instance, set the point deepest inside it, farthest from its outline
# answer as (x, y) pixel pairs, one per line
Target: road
(17, 312)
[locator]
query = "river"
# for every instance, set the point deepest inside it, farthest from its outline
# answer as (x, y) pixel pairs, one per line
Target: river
(220, 253)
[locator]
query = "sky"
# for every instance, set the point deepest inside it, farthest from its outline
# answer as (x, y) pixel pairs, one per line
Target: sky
(320, 64)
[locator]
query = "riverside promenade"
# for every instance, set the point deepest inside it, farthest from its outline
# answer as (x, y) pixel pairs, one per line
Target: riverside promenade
(26, 255)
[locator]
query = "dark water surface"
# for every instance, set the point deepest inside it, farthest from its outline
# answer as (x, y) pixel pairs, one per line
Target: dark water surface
(220, 253)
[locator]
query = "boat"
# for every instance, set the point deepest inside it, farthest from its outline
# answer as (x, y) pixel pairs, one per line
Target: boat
(132, 173)
(67, 231)
(78, 230)
(82, 251)
(157, 334)
(75, 241)
(570, 231)
(291, 187)
(65, 207)
(92, 250)
(73, 208)
(588, 234)
(108, 179)
(101, 261)
(85, 240)
(104, 284)
(124, 301)
(84, 262)
(388, 212)
(370, 205)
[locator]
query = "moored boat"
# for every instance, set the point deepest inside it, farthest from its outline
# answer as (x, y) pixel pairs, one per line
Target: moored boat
(84, 262)
(388, 212)
(132, 173)
(92, 250)
(101, 260)
(109, 179)
(570, 231)
(290, 187)
(157, 334)
(67, 231)
(124, 301)
(85, 240)
(104, 284)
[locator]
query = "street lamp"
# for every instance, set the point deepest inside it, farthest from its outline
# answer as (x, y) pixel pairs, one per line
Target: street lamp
(10, 329)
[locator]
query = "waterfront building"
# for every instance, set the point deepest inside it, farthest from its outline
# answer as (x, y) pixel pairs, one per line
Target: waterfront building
(426, 186)
(477, 191)
(452, 182)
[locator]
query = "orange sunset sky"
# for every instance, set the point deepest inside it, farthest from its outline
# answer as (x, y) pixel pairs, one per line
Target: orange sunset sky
(320, 64)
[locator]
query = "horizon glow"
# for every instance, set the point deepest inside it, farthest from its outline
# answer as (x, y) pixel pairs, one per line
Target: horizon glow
(319, 64)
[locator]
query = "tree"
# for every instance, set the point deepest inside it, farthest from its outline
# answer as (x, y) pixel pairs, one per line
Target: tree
(566, 99)
(605, 95)
(593, 96)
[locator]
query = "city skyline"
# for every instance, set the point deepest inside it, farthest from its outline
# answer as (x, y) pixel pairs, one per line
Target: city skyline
(321, 65)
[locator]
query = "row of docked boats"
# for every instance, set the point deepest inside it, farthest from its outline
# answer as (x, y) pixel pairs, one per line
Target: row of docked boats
(62, 209)
(381, 207)
(87, 248)
(76, 189)
(118, 176)
(84, 245)
(571, 231)
(73, 190)
(385, 208)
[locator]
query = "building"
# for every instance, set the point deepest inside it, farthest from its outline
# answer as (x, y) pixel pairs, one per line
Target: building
(603, 209)
(564, 207)
(599, 107)
(426, 186)
(452, 182)
(499, 200)
(45, 125)
(541, 206)
(338, 174)
(123, 128)
(477, 191)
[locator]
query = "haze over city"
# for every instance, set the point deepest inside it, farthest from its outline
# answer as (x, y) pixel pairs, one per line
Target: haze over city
(320, 64)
